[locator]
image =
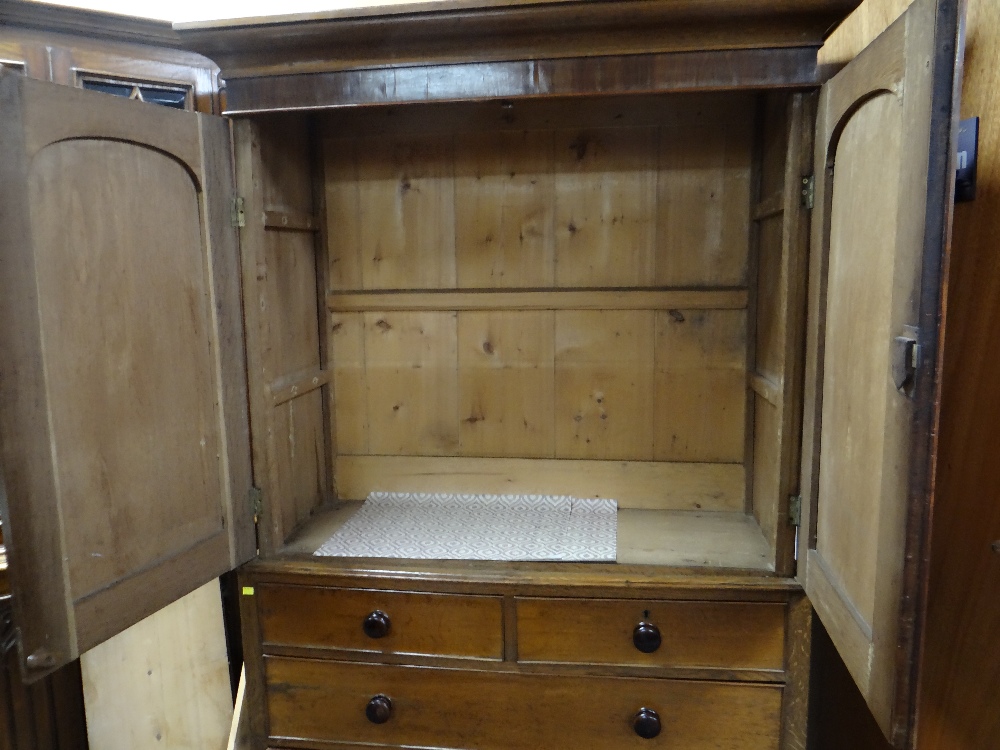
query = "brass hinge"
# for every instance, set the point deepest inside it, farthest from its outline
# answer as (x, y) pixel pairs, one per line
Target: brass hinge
(795, 510)
(238, 215)
(256, 502)
(809, 191)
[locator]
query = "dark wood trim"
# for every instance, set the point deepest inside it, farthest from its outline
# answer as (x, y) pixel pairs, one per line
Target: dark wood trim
(520, 578)
(582, 76)
(253, 655)
(88, 23)
(946, 74)
(497, 31)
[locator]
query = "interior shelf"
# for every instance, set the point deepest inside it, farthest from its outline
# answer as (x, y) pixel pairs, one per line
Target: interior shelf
(716, 539)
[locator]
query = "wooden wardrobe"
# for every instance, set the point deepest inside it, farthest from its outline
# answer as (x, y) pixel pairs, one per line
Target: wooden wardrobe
(643, 250)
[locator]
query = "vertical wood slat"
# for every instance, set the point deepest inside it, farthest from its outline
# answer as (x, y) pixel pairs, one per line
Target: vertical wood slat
(506, 383)
(704, 202)
(350, 385)
(393, 226)
(701, 385)
(504, 209)
(411, 369)
(605, 210)
(604, 384)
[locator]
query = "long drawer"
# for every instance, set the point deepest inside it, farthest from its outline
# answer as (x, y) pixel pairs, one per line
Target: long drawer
(385, 622)
(723, 635)
(492, 710)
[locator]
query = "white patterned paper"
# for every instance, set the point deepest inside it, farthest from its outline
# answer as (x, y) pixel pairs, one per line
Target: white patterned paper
(478, 527)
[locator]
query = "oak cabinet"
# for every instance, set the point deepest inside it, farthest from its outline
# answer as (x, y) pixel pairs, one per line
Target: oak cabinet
(651, 256)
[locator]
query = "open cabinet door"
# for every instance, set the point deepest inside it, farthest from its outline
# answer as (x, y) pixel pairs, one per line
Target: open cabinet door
(881, 225)
(125, 443)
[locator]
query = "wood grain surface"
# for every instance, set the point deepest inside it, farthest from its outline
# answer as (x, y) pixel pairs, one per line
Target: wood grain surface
(164, 682)
(455, 708)
(429, 624)
(694, 634)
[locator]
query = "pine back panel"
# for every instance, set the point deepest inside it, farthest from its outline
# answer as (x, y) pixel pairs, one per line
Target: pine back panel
(550, 288)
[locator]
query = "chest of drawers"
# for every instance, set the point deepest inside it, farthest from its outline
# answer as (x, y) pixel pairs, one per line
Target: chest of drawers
(533, 663)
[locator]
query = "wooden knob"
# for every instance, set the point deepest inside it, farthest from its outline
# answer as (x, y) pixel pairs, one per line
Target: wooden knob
(646, 637)
(379, 709)
(377, 624)
(646, 723)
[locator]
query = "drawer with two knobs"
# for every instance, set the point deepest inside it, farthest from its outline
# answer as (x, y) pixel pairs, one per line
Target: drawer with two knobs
(419, 706)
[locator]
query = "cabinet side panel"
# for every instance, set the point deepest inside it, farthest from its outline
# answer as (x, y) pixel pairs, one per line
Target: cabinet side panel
(782, 232)
(961, 658)
(286, 325)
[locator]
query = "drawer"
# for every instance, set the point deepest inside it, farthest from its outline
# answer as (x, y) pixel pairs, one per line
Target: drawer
(493, 710)
(714, 635)
(384, 622)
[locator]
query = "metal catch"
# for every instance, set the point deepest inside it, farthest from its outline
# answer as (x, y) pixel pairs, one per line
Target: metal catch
(905, 359)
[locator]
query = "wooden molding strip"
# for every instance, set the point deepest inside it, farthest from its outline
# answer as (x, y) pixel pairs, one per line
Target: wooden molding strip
(723, 70)
(297, 384)
(772, 205)
(298, 221)
(91, 24)
(558, 299)
(649, 485)
(459, 31)
(765, 388)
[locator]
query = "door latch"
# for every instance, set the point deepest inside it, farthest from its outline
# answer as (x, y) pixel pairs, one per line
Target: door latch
(905, 359)
(965, 174)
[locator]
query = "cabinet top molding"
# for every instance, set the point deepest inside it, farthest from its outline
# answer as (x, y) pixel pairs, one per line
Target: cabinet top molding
(441, 32)
(88, 23)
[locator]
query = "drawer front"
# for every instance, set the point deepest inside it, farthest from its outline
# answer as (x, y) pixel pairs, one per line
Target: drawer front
(722, 635)
(384, 622)
(480, 710)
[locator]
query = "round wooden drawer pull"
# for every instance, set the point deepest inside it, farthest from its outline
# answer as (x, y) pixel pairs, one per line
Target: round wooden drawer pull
(377, 624)
(646, 637)
(646, 723)
(379, 709)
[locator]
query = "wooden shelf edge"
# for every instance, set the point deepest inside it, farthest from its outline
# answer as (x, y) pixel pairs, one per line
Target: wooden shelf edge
(557, 299)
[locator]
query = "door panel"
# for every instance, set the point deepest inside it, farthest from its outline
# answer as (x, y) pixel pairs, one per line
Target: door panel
(125, 447)
(884, 189)
(859, 427)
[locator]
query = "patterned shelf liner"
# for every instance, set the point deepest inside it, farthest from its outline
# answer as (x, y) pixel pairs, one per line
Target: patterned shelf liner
(478, 527)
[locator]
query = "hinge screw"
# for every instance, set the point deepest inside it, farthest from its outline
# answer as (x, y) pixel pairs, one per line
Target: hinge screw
(996, 546)
(808, 191)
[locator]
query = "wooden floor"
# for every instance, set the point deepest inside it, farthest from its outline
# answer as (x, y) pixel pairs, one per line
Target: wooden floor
(648, 537)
